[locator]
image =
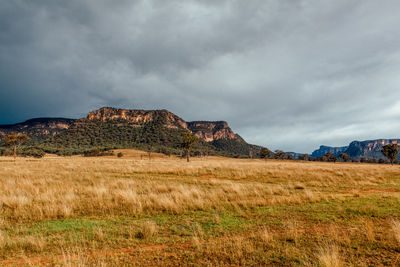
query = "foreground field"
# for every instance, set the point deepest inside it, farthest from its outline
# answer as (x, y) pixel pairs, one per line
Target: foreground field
(213, 211)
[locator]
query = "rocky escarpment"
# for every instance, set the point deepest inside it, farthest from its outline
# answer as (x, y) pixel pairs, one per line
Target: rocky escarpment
(328, 149)
(38, 128)
(211, 130)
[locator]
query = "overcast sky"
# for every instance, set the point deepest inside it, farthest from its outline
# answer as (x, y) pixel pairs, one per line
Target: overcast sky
(287, 74)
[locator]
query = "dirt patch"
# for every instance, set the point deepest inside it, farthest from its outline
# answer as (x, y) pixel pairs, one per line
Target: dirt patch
(207, 176)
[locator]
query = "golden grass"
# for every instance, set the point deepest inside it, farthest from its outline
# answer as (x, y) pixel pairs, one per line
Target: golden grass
(218, 206)
(34, 190)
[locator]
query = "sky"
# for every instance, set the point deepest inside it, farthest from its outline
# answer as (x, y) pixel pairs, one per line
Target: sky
(285, 74)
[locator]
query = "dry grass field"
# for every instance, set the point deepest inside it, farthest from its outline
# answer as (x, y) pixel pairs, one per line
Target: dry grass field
(132, 211)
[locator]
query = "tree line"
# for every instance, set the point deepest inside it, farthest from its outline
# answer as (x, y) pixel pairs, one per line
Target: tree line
(16, 141)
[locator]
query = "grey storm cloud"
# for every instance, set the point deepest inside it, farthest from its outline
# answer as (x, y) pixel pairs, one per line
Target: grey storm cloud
(285, 74)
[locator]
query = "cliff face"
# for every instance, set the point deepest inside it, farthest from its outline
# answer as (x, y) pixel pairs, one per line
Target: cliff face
(138, 117)
(211, 130)
(369, 148)
(39, 128)
(326, 149)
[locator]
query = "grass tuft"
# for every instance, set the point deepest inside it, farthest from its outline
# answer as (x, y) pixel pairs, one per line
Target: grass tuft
(329, 256)
(396, 230)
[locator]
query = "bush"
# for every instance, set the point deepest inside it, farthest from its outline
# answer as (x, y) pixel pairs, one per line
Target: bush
(5, 151)
(120, 155)
(97, 153)
(32, 152)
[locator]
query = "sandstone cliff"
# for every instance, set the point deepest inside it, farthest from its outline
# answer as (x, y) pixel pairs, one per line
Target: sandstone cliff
(138, 117)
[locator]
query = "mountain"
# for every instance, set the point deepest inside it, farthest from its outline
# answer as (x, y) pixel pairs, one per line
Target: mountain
(110, 128)
(39, 128)
(358, 149)
(326, 149)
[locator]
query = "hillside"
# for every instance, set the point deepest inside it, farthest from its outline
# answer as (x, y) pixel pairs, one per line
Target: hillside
(111, 128)
(38, 129)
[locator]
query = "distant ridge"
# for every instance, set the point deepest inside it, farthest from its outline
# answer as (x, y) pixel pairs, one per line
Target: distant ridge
(326, 149)
(358, 149)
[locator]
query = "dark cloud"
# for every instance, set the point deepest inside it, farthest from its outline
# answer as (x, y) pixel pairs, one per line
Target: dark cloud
(285, 74)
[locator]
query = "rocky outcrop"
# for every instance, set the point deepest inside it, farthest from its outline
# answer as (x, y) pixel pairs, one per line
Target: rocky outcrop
(138, 117)
(328, 149)
(211, 130)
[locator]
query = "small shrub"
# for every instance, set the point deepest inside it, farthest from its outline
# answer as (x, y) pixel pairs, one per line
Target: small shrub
(120, 155)
(149, 230)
